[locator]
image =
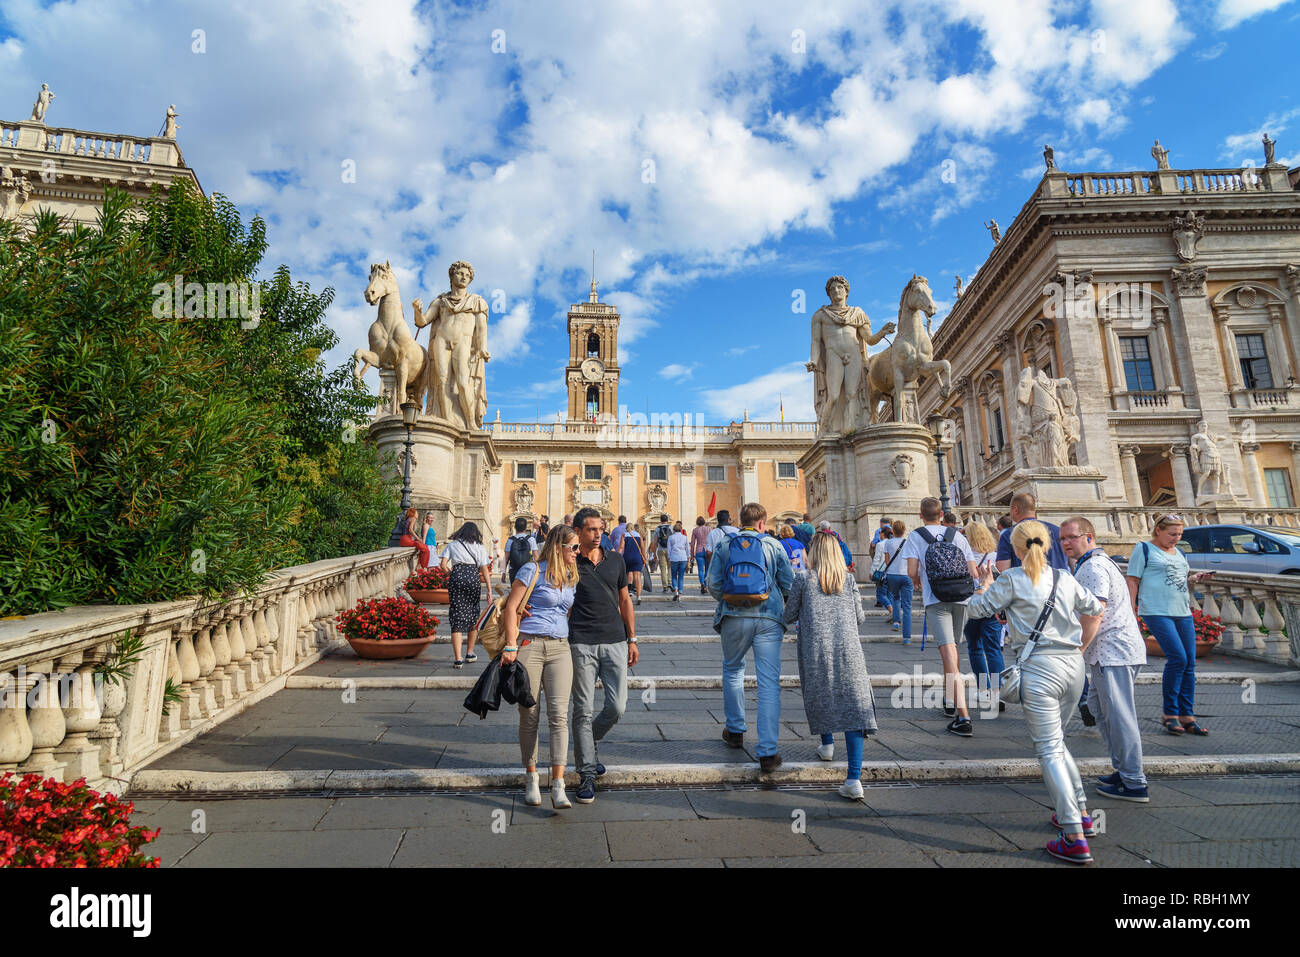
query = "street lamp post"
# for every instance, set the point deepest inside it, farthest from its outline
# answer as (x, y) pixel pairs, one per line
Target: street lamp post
(410, 411)
(938, 430)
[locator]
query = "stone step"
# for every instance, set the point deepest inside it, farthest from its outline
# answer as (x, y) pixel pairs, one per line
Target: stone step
(147, 782)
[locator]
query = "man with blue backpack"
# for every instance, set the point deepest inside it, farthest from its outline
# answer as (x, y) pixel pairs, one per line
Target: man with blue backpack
(750, 576)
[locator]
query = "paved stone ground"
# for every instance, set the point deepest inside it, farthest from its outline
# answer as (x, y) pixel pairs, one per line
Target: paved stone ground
(1194, 822)
(1201, 822)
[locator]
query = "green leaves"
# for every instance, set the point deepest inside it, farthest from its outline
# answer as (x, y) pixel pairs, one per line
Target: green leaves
(146, 459)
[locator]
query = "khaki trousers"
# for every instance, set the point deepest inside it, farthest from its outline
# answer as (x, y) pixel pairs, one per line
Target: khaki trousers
(549, 664)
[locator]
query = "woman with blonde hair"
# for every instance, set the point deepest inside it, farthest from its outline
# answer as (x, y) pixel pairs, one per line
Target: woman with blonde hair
(984, 635)
(1043, 607)
(541, 643)
(832, 670)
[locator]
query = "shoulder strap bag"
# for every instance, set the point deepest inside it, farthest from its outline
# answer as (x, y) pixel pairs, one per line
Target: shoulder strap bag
(491, 633)
(1010, 687)
(879, 577)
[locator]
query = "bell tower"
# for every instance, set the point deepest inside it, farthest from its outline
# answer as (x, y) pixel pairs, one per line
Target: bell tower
(592, 372)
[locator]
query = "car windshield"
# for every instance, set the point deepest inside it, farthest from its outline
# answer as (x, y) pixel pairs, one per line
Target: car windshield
(1287, 536)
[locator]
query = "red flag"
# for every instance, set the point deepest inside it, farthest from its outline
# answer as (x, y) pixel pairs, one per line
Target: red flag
(713, 504)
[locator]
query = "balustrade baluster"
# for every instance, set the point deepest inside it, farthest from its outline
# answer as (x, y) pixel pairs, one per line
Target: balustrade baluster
(170, 726)
(48, 727)
(1231, 618)
(15, 732)
(203, 689)
(107, 732)
(222, 682)
(82, 716)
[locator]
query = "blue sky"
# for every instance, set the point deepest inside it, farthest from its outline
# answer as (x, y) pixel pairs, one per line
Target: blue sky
(788, 144)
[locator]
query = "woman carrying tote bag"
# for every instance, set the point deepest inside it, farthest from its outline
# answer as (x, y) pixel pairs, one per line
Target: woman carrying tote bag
(1043, 607)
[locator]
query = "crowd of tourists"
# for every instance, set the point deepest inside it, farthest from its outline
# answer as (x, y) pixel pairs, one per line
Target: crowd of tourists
(1067, 611)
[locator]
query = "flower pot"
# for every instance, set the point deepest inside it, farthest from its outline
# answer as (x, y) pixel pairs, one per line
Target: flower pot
(1203, 648)
(430, 596)
(391, 648)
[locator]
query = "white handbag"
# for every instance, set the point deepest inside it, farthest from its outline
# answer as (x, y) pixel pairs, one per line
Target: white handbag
(1010, 677)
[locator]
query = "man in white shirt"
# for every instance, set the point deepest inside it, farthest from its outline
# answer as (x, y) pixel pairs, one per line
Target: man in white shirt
(1114, 652)
(945, 619)
(719, 534)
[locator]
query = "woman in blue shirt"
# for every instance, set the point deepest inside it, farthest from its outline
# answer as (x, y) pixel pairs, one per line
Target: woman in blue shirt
(541, 643)
(1157, 585)
(430, 535)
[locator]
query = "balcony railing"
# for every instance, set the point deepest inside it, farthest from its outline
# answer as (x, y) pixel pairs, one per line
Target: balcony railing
(1148, 400)
(154, 151)
(1269, 398)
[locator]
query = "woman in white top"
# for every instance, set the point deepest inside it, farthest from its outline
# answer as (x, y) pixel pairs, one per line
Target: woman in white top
(1051, 677)
(467, 560)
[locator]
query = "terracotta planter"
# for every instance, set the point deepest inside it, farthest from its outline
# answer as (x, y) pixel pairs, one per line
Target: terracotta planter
(1203, 648)
(430, 596)
(395, 648)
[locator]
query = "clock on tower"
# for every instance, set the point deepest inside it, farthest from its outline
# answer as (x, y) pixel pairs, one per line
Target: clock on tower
(592, 372)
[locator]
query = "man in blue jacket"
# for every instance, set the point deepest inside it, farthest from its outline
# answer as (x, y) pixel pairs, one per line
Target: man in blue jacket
(761, 627)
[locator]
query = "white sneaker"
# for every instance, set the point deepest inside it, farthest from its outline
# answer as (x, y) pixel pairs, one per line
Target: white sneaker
(558, 798)
(532, 792)
(826, 751)
(851, 789)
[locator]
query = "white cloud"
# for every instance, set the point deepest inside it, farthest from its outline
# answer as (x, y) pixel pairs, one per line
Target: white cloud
(508, 335)
(1229, 13)
(1211, 53)
(763, 396)
(1249, 146)
(676, 372)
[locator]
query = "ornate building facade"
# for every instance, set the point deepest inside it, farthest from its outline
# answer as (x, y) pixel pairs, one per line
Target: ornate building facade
(1170, 301)
(638, 468)
(68, 170)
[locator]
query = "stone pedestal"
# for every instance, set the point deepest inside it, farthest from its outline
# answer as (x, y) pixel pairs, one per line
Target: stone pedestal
(449, 469)
(882, 469)
(1061, 486)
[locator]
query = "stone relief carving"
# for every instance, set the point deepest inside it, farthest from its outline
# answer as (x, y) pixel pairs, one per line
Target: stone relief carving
(14, 192)
(1247, 296)
(1293, 279)
(1189, 281)
(1187, 232)
(1207, 462)
(524, 499)
(607, 490)
(484, 485)
(455, 378)
(902, 468)
(657, 497)
(816, 493)
(840, 336)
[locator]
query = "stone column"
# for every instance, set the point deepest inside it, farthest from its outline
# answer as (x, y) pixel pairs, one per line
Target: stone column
(1183, 488)
(748, 480)
(627, 491)
(686, 507)
(1295, 471)
(1132, 482)
(1254, 477)
(1164, 361)
(1285, 365)
(554, 491)
(1228, 350)
(1110, 346)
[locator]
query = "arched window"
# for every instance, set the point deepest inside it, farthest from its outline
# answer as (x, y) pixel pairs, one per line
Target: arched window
(593, 401)
(593, 345)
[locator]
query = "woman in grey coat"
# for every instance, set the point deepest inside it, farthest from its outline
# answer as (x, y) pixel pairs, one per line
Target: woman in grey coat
(832, 670)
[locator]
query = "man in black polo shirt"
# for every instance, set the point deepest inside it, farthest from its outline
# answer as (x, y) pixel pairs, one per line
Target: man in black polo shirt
(602, 638)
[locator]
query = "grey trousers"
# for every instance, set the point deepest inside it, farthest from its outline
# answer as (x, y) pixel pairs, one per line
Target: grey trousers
(1110, 699)
(607, 661)
(1050, 686)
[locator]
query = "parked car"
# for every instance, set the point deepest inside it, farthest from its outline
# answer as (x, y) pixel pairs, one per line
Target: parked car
(1262, 549)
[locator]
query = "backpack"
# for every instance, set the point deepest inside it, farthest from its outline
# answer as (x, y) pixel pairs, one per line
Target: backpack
(745, 582)
(661, 535)
(945, 567)
(519, 554)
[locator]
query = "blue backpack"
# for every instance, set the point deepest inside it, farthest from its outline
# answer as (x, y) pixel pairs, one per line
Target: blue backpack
(745, 581)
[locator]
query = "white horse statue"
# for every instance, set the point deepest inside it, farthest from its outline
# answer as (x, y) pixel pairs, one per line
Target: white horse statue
(891, 372)
(391, 344)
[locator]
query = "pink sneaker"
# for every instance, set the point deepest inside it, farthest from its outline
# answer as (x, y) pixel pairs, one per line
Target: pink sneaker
(1075, 852)
(1086, 827)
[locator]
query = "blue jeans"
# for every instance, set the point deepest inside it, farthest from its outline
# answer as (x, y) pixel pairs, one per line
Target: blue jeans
(679, 573)
(900, 597)
(764, 636)
(1177, 639)
(984, 645)
(852, 749)
(882, 595)
(702, 566)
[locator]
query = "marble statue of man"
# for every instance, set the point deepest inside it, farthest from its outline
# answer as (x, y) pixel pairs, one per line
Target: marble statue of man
(956, 286)
(994, 230)
(1270, 151)
(42, 104)
(840, 336)
(1038, 401)
(169, 124)
(1161, 156)
(1049, 157)
(1207, 462)
(458, 341)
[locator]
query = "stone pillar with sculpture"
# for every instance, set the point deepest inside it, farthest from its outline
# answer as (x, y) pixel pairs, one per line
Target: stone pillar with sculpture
(453, 456)
(872, 455)
(1047, 431)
